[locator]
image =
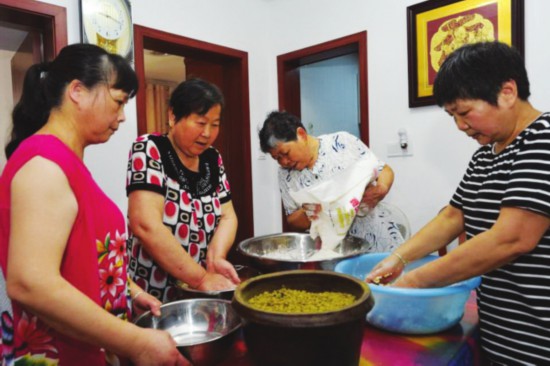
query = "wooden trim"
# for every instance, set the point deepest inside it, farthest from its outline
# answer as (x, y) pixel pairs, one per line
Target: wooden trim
(52, 19)
(289, 63)
(139, 67)
(180, 45)
(288, 77)
(363, 87)
(234, 66)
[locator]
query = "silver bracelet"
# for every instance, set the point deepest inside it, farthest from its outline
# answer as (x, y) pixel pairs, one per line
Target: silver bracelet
(137, 294)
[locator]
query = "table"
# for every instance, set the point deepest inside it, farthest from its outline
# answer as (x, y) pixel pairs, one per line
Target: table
(457, 346)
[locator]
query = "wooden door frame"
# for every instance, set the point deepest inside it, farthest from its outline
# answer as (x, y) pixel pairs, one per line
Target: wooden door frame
(47, 34)
(288, 76)
(170, 43)
(52, 19)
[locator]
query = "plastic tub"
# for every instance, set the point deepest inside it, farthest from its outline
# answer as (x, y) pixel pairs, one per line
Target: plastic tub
(411, 311)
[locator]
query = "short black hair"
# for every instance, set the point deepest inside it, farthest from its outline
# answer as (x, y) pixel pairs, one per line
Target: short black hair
(477, 71)
(194, 96)
(278, 127)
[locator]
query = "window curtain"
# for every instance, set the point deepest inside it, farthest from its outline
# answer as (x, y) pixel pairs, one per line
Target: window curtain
(157, 98)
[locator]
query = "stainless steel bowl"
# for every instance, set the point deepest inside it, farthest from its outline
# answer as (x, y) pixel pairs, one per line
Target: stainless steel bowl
(302, 252)
(244, 273)
(204, 329)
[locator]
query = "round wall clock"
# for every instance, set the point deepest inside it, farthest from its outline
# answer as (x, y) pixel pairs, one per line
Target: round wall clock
(108, 24)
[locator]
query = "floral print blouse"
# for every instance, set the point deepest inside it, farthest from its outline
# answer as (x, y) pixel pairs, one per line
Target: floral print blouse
(94, 262)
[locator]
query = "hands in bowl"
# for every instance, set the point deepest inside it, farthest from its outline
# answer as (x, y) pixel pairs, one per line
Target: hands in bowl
(158, 348)
(142, 302)
(220, 275)
(387, 271)
(225, 268)
(215, 282)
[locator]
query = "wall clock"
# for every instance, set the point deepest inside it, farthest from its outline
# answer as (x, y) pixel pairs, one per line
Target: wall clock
(108, 24)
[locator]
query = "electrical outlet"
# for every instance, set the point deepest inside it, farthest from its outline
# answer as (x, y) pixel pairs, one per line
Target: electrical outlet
(394, 150)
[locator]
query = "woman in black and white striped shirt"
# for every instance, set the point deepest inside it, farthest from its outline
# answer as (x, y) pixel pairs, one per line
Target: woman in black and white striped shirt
(502, 202)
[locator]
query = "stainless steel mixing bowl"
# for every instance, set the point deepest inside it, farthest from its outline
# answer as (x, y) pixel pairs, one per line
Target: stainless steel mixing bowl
(204, 329)
(302, 252)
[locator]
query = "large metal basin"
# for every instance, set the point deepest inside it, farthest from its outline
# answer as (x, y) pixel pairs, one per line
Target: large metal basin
(289, 251)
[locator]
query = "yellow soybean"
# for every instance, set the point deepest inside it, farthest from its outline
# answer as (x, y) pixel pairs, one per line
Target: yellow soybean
(287, 300)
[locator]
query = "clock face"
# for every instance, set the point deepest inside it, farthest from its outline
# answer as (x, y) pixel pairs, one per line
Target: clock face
(107, 23)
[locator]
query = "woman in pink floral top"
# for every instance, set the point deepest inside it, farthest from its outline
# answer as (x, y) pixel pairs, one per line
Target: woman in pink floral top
(62, 240)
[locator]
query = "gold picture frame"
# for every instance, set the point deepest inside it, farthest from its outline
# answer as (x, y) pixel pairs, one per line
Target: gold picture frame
(436, 27)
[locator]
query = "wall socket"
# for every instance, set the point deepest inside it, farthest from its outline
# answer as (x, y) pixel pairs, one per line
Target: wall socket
(394, 150)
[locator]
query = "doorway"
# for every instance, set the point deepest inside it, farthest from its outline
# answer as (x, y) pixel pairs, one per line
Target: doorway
(329, 96)
(294, 68)
(228, 69)
(340, 56)
(32, 32)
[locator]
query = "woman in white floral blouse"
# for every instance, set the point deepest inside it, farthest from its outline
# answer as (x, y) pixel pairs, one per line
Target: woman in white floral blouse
(306, 160)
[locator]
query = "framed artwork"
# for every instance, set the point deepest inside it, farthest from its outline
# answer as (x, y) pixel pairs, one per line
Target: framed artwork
(437, 27)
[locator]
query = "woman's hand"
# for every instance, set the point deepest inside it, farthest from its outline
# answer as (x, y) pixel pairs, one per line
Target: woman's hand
(223, 267)
(386, 271)
(157, 347)
(374, 193)
(312, 210)
(142, 302)
(406, 281)
(215, 282)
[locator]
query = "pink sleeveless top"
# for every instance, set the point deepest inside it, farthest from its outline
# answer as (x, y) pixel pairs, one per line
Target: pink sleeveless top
(95, 262)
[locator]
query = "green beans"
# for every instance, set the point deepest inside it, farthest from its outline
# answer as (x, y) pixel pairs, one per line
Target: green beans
(287, 300)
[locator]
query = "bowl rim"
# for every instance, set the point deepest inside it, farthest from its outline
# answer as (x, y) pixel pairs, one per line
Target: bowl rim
(459, 287)
(172, 303)
(293, 234)
(308, 319)
(227, 302)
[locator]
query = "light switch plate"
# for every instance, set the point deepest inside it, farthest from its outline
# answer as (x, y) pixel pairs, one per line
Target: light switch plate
(395, 150)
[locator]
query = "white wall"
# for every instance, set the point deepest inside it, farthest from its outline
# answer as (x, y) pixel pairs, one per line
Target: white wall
(266, 28)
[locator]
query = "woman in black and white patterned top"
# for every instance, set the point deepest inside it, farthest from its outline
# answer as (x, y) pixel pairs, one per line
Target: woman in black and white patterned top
(181, 218)
(502, 202)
